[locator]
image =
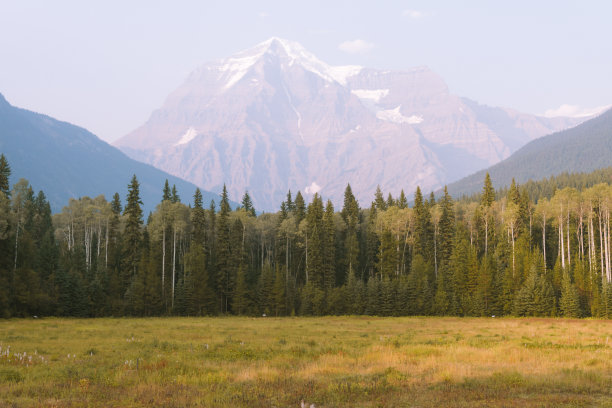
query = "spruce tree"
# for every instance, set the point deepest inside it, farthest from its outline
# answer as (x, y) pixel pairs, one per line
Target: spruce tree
(350, 215)
(198, 220)
(315, 242)
(223, 266)
(328, 247)
(569, 303)
(5, 174)
(379, 200)
(289, 202)
(488, 193)
(174, 198)
(133, 230)
(402, 202)
(247, 204)
(167, 195)
(300, 208)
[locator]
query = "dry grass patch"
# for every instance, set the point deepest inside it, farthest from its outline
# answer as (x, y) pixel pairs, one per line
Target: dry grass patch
(330, 362)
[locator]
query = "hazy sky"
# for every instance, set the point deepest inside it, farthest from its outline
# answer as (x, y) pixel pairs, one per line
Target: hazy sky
(106, 65)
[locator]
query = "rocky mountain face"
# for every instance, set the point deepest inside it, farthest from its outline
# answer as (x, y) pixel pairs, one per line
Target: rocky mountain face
(274, 118)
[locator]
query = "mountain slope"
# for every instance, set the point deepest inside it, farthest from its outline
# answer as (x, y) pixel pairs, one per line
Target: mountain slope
(274, 118)
(584, 148)
(66, 161)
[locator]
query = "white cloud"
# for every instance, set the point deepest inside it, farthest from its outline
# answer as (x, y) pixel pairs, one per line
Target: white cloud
(356, 46)
(574, 111)
(413, 13)
(313, 188)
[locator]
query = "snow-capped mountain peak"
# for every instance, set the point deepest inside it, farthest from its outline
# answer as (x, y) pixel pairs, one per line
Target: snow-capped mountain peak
(234, 68)
(275, 117)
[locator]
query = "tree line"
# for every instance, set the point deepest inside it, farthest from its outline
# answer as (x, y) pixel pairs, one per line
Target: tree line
(499, 254)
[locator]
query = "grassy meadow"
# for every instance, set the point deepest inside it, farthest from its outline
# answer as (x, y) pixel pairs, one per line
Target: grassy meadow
(328, 362)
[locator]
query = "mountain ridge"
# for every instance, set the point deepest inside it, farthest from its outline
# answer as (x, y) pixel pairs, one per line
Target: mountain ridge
(66, 161)
(584, 148)
(275, 117)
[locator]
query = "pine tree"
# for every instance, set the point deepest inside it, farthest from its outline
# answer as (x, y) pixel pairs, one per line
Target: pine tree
(314, 243)
(569, 303)
(402, 202)
(198, 220)
(174, 198)
(423, 237)
(350, 215)
(223, 267)
(446, 228)
(247, 204)
(290, 205)
(166, 196)
(300, 208)
(328, 247)
(133, 230)
(379, 201)
(5, 174)
(488, 193)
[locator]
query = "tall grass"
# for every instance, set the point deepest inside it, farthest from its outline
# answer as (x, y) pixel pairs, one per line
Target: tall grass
(284, 362)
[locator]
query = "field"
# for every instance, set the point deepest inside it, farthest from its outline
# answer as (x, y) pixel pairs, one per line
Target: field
(287, 362)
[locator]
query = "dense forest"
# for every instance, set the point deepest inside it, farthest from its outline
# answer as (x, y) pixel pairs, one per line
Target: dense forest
(497, 254)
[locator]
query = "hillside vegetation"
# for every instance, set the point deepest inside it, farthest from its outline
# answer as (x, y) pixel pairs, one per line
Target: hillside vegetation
(584, 148)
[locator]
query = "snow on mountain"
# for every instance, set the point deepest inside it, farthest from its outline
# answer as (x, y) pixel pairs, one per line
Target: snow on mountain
(275, 117)
(394, 115)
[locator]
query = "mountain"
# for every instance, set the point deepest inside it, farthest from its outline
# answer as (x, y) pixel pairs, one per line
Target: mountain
(584, 148)
(66, 161)
(275, 117)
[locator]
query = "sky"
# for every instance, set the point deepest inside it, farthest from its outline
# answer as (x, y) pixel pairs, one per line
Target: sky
(106, 65)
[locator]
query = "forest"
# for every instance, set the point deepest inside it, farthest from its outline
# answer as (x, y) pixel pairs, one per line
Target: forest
(495, 254)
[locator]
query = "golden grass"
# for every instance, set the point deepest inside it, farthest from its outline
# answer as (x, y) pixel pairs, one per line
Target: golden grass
(329, 361)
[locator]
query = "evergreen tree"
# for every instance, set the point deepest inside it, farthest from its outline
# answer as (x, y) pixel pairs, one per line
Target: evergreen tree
(402, 202)
(5, 174)
(133, 230)
(350, 215)
(570, 301)
(247, 204)
(379, 200)
(315, 241)
(223, 252)
(198, 220)
(446, 228)
(488, 193)
(166, 196)
(423, 237)
(300, 208)
(290, 205)
(174, 198)
(329, 247)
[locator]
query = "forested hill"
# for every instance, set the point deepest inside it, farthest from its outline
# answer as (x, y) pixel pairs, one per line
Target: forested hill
(585, 148)
(546, 188)
(66, 161)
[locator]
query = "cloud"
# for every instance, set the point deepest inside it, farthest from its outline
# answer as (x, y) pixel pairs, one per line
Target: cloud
(413, 13)
(313, 188)
(574, 111)
(356, 46)
(263, 14)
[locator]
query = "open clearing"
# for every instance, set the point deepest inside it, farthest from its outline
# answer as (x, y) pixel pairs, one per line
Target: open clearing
(329, 361)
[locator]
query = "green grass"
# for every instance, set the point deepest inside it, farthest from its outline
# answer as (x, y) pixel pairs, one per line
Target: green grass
(331, 361)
